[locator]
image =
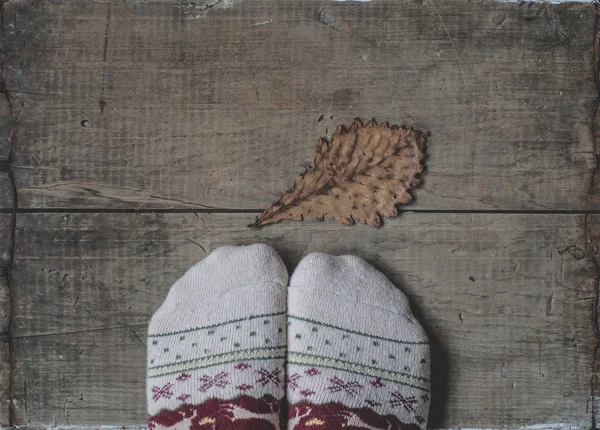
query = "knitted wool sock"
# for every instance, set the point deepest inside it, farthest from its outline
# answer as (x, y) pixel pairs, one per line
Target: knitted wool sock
(216, 346)
(357, 359)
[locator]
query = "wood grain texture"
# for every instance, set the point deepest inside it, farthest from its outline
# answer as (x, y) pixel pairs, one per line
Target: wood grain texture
(189, 106)
(6, 134)
(5, 315)
(146, 104)
(506, 300)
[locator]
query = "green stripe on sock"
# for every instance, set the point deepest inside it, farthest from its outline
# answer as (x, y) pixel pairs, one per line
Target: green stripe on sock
(403, 342)
(248, 318)
(359, 369)
(188, 369)
(215, 360)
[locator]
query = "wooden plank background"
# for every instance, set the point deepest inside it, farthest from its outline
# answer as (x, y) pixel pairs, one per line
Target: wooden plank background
(219, 108)
(509, 348)
(213, 110)
(5, 320)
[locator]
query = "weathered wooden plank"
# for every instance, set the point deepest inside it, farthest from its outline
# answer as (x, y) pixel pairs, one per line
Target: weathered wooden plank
(6, 126)
(506, 300)
(7, 142)
(5, 355)
(187, 107)
(7, 139)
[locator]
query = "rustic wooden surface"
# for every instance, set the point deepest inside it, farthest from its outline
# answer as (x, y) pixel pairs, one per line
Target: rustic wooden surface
(219, 108)
(5, 319)
(512, 347)
(203, 108)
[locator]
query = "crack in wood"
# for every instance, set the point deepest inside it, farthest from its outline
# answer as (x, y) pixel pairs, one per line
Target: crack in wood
(92, 330)
(102, 103)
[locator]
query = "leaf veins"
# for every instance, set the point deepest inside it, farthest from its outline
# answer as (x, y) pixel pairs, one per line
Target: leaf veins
(359, 177)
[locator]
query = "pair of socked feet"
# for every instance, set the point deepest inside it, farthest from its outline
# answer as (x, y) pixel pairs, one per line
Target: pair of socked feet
(234, 346)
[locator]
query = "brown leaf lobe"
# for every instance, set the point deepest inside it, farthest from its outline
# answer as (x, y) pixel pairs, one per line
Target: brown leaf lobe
(358, 177)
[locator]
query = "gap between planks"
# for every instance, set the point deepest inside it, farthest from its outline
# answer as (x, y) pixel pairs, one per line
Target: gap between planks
(258, 211)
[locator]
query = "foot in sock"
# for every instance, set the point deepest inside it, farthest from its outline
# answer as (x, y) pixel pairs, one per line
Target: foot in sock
(357, 358)
(217, 345)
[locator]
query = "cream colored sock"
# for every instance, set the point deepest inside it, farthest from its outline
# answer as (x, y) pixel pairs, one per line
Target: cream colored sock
(357, 358)
(217, 345)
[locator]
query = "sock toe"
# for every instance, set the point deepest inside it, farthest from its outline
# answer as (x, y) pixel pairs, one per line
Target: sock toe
(354, 348)
(228, 268)
(351, 277)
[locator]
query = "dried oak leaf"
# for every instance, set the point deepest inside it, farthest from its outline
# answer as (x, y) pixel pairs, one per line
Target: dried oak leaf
(359, 177)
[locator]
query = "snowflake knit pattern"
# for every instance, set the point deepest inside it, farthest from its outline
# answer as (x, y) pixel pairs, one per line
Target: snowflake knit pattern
(357, 358)
(217, 345)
